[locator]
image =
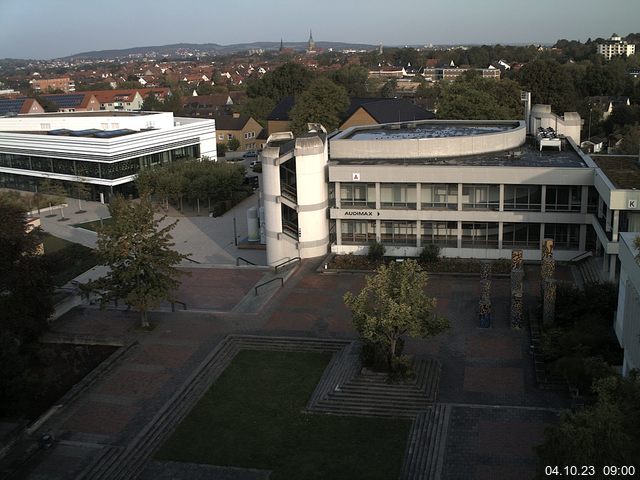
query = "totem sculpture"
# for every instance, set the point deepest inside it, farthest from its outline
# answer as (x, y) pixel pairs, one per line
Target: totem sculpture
(517, 279)
(548, 283)
(484, 307)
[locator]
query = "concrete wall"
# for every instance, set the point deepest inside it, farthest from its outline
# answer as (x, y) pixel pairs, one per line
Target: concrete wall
(344, 147)
(627, 322)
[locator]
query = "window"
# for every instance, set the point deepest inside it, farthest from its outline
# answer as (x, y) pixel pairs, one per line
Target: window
(524, 235)
(522, 197)
(289, 221)
(220, 137)
(563, 199)
(361, 195)
(398, 195)
(358, 232)
(443, 234)
(479, 235)
(480, 197)
(440, 195)
(398, 233)
(229, 136)
(565, 236)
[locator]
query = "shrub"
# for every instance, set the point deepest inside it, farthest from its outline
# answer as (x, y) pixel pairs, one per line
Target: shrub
(430, 254)
(374, 355)
(376, 251)
(401, 369)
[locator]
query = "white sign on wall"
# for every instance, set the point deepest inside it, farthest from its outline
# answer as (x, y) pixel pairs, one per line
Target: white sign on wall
(355, 177)
(632, 204)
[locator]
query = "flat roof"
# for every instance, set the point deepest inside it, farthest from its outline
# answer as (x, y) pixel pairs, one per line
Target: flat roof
(527, 155)
(622, 170)
(99, 113)
(429, 130)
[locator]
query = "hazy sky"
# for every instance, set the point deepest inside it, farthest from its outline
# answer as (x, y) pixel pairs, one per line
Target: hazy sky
(56, 28)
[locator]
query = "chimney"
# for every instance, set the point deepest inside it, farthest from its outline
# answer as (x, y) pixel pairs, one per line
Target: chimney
(236, 115)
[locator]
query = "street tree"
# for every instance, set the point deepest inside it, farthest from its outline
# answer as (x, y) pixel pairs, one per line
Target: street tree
(286, 80)
(142, 264)
(82, 192)
(323, 102)
(233, 144)
(393, 304)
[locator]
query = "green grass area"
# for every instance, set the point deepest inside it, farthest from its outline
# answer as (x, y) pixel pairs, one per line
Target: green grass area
(252, 417)
(94, 225)
(66, 259)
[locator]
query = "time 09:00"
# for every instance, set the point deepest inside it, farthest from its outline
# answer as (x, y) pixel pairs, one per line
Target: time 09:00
(589, 470)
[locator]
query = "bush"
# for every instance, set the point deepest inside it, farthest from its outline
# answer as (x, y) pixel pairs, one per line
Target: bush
(376, 251)
(401, 369)
(430, 254)
(374, 355)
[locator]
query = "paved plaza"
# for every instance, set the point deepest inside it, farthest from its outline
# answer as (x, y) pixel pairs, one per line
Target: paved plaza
(497, 413)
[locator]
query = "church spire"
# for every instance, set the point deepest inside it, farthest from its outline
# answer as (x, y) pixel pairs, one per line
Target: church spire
(281, 45)
(311, 47)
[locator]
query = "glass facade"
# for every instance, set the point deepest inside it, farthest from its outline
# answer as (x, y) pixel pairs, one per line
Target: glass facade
(480, 197)
(565, 236)
(443, 234)
(480, 235)
(361, 195)
(105, 170)
(522, 198)
(398, 233)
(521, 235)
(357, 232)
(398, 195)
(563, 199)
(439, 195)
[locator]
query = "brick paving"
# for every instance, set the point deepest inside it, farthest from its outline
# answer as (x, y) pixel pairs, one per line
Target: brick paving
(490, 367)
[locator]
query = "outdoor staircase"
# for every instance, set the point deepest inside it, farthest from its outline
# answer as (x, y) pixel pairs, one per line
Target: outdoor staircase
(345, 390)
(590, 270)
(115, 463)
(424, 454)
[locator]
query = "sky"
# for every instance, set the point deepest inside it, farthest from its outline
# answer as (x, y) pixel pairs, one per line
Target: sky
(44, 29)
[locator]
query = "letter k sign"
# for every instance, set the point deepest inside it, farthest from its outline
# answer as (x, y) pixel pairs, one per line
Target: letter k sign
(633, 204)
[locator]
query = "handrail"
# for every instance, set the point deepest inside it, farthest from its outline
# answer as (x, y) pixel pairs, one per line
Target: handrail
(581, 256)
(244, 260)
(275, 269)
(267, 282)
(173, 305)
(191, 260)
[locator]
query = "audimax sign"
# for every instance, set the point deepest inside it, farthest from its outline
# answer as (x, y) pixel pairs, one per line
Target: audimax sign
(361, 213)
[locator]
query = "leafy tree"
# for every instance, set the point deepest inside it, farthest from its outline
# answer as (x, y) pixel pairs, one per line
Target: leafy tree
(549, 83)
(607, 433)
(258, 108)
(388, 90)
(142, 264)
(287, 80)
(393, 304)
(405, 56)
(475, 98)
(82, 191)
(630, 144)
(353, 78)
(221, 149)
(25, 283)
(233, 144)
(151, 103)
(323, 102)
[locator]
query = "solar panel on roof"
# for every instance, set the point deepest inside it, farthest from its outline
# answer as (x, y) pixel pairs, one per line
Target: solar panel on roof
(71, 100)
(11, 106)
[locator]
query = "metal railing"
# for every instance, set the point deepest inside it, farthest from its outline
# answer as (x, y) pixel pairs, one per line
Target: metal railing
(285, 263)
(581, 256)
(173, 305)
(244, 260)
(267, 283)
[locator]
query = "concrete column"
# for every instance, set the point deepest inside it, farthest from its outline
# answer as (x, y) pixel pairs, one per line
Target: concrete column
(616, 225)
(582, 238)
(338, 231)
(600, 206)
(459, 201)
(418, 232)
(605, 263)
(541, 235)
(612, 267)
(543, 199)
(377, 196)
(608, 221)
(418, 196)
(584, 204)
(500, 226)
(378, 235)
(336, 190)
(501, 208)
(459, 226)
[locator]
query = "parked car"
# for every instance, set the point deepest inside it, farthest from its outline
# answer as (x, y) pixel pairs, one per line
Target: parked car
(250, 154)
(253, 163)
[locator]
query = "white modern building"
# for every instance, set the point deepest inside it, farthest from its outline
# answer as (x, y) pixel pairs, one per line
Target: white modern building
(627, 324)
(103, 149)
(615, 46)
(477, 189)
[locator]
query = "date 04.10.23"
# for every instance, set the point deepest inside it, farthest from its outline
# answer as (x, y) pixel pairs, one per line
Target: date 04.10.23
(589, 471)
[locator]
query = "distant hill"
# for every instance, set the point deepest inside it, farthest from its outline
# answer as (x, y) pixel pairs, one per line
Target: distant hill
(212, 49)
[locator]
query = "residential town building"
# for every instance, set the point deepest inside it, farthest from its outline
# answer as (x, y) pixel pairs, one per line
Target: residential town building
(20, 105)
(66, 84)
(245, 129)
(615, 46)
(73, 102)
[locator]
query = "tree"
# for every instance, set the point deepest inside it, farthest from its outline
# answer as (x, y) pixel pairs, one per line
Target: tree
(323, 102)
(258, 108)
(221, 149)
(353, 78)
(388, 90)
(151, 103)
(82, 192)
(549, 83)
(142, 264)
(233, 144)
(287, 80)
(471, 97)
(393, 304)
(607, 433)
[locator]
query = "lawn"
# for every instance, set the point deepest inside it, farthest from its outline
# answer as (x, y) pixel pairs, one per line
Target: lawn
(252, 417)
(66, 259)
(94, 225)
